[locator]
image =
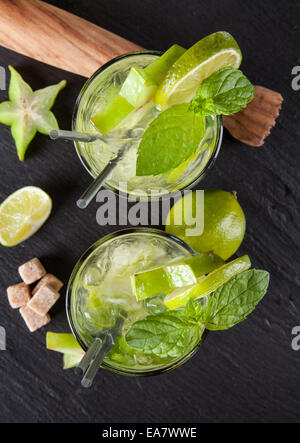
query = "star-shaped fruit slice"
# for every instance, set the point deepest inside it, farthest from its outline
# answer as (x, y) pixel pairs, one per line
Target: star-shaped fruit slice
(28, 111)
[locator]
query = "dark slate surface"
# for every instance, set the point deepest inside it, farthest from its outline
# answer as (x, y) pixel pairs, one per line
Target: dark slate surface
(249, 373)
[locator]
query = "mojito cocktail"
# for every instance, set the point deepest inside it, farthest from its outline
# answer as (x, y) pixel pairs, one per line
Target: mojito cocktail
(101, 288)
(102, 108)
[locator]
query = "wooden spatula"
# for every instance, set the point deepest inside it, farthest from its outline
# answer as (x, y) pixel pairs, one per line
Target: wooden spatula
(61, 39)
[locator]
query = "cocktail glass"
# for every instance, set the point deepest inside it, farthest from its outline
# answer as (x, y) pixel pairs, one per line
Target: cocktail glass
(100, 287)
(95, 94)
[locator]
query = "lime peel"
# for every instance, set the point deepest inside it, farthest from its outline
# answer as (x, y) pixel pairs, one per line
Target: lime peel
(207, 284)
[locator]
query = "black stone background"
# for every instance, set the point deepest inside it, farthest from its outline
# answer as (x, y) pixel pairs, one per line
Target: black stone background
(249, 373)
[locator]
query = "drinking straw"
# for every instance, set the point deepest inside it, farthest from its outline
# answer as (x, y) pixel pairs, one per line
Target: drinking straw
(97, 184)
(113, 136)
(58, 134)
(96, 353)
(99, 181)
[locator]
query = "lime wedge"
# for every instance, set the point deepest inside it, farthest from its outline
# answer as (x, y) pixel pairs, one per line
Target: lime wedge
(213, 52)
(64, 343)
(71, 360)
(22, 214)
(183, 271)
(138, 88)
(110, 116)
(207, 284)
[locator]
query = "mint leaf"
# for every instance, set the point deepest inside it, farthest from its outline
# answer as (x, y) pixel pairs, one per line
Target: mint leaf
(193, 310)
(169, 140)
(226, 92)
(169, 334)
(235, 300)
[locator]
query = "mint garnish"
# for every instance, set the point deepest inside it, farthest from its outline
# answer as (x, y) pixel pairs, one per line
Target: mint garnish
(233, 302)
(174, 333)
(226, 92)
(169, 140)
(169, 334)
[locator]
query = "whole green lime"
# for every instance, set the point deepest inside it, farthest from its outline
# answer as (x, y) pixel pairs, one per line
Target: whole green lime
(224, 222)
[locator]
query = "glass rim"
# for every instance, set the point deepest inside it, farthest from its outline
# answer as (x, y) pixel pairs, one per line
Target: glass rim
(202, 173)
(121, 370)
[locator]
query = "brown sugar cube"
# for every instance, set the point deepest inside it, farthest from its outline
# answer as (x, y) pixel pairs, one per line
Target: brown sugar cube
(43, 300)
(32, 319)
(49, 280)
(18, 295)
(32, 271)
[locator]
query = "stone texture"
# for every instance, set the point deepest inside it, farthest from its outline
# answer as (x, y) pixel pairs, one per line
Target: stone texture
(246, 374)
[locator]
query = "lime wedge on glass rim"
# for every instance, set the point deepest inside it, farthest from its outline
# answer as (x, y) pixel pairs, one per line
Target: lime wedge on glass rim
(216, 51)
(207, 284)
(181, 272)
(22, 214)
(139, 87)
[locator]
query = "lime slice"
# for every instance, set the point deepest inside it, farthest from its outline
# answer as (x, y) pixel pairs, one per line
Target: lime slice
(213, 52)
(138, 88)
(159, 67)
(207, 284)
(22, 214)
(183, 271)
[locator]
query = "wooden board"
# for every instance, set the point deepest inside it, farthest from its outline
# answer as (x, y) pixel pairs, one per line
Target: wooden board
(54, 36)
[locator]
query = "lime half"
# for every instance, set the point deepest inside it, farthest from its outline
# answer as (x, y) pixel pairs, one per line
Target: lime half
(213, 52)
(22, 214)
(176, 274)
(207, 284)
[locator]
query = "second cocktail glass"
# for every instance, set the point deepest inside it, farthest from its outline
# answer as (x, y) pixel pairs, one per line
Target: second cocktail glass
(96, 93)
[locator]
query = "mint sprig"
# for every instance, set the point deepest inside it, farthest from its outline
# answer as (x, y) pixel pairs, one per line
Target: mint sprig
(174, 333)
(226, 92)
(234, 301)
(169, 334)
(169, 140)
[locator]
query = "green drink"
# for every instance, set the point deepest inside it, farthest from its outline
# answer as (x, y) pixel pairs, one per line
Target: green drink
(100, 288)
(97, 93)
